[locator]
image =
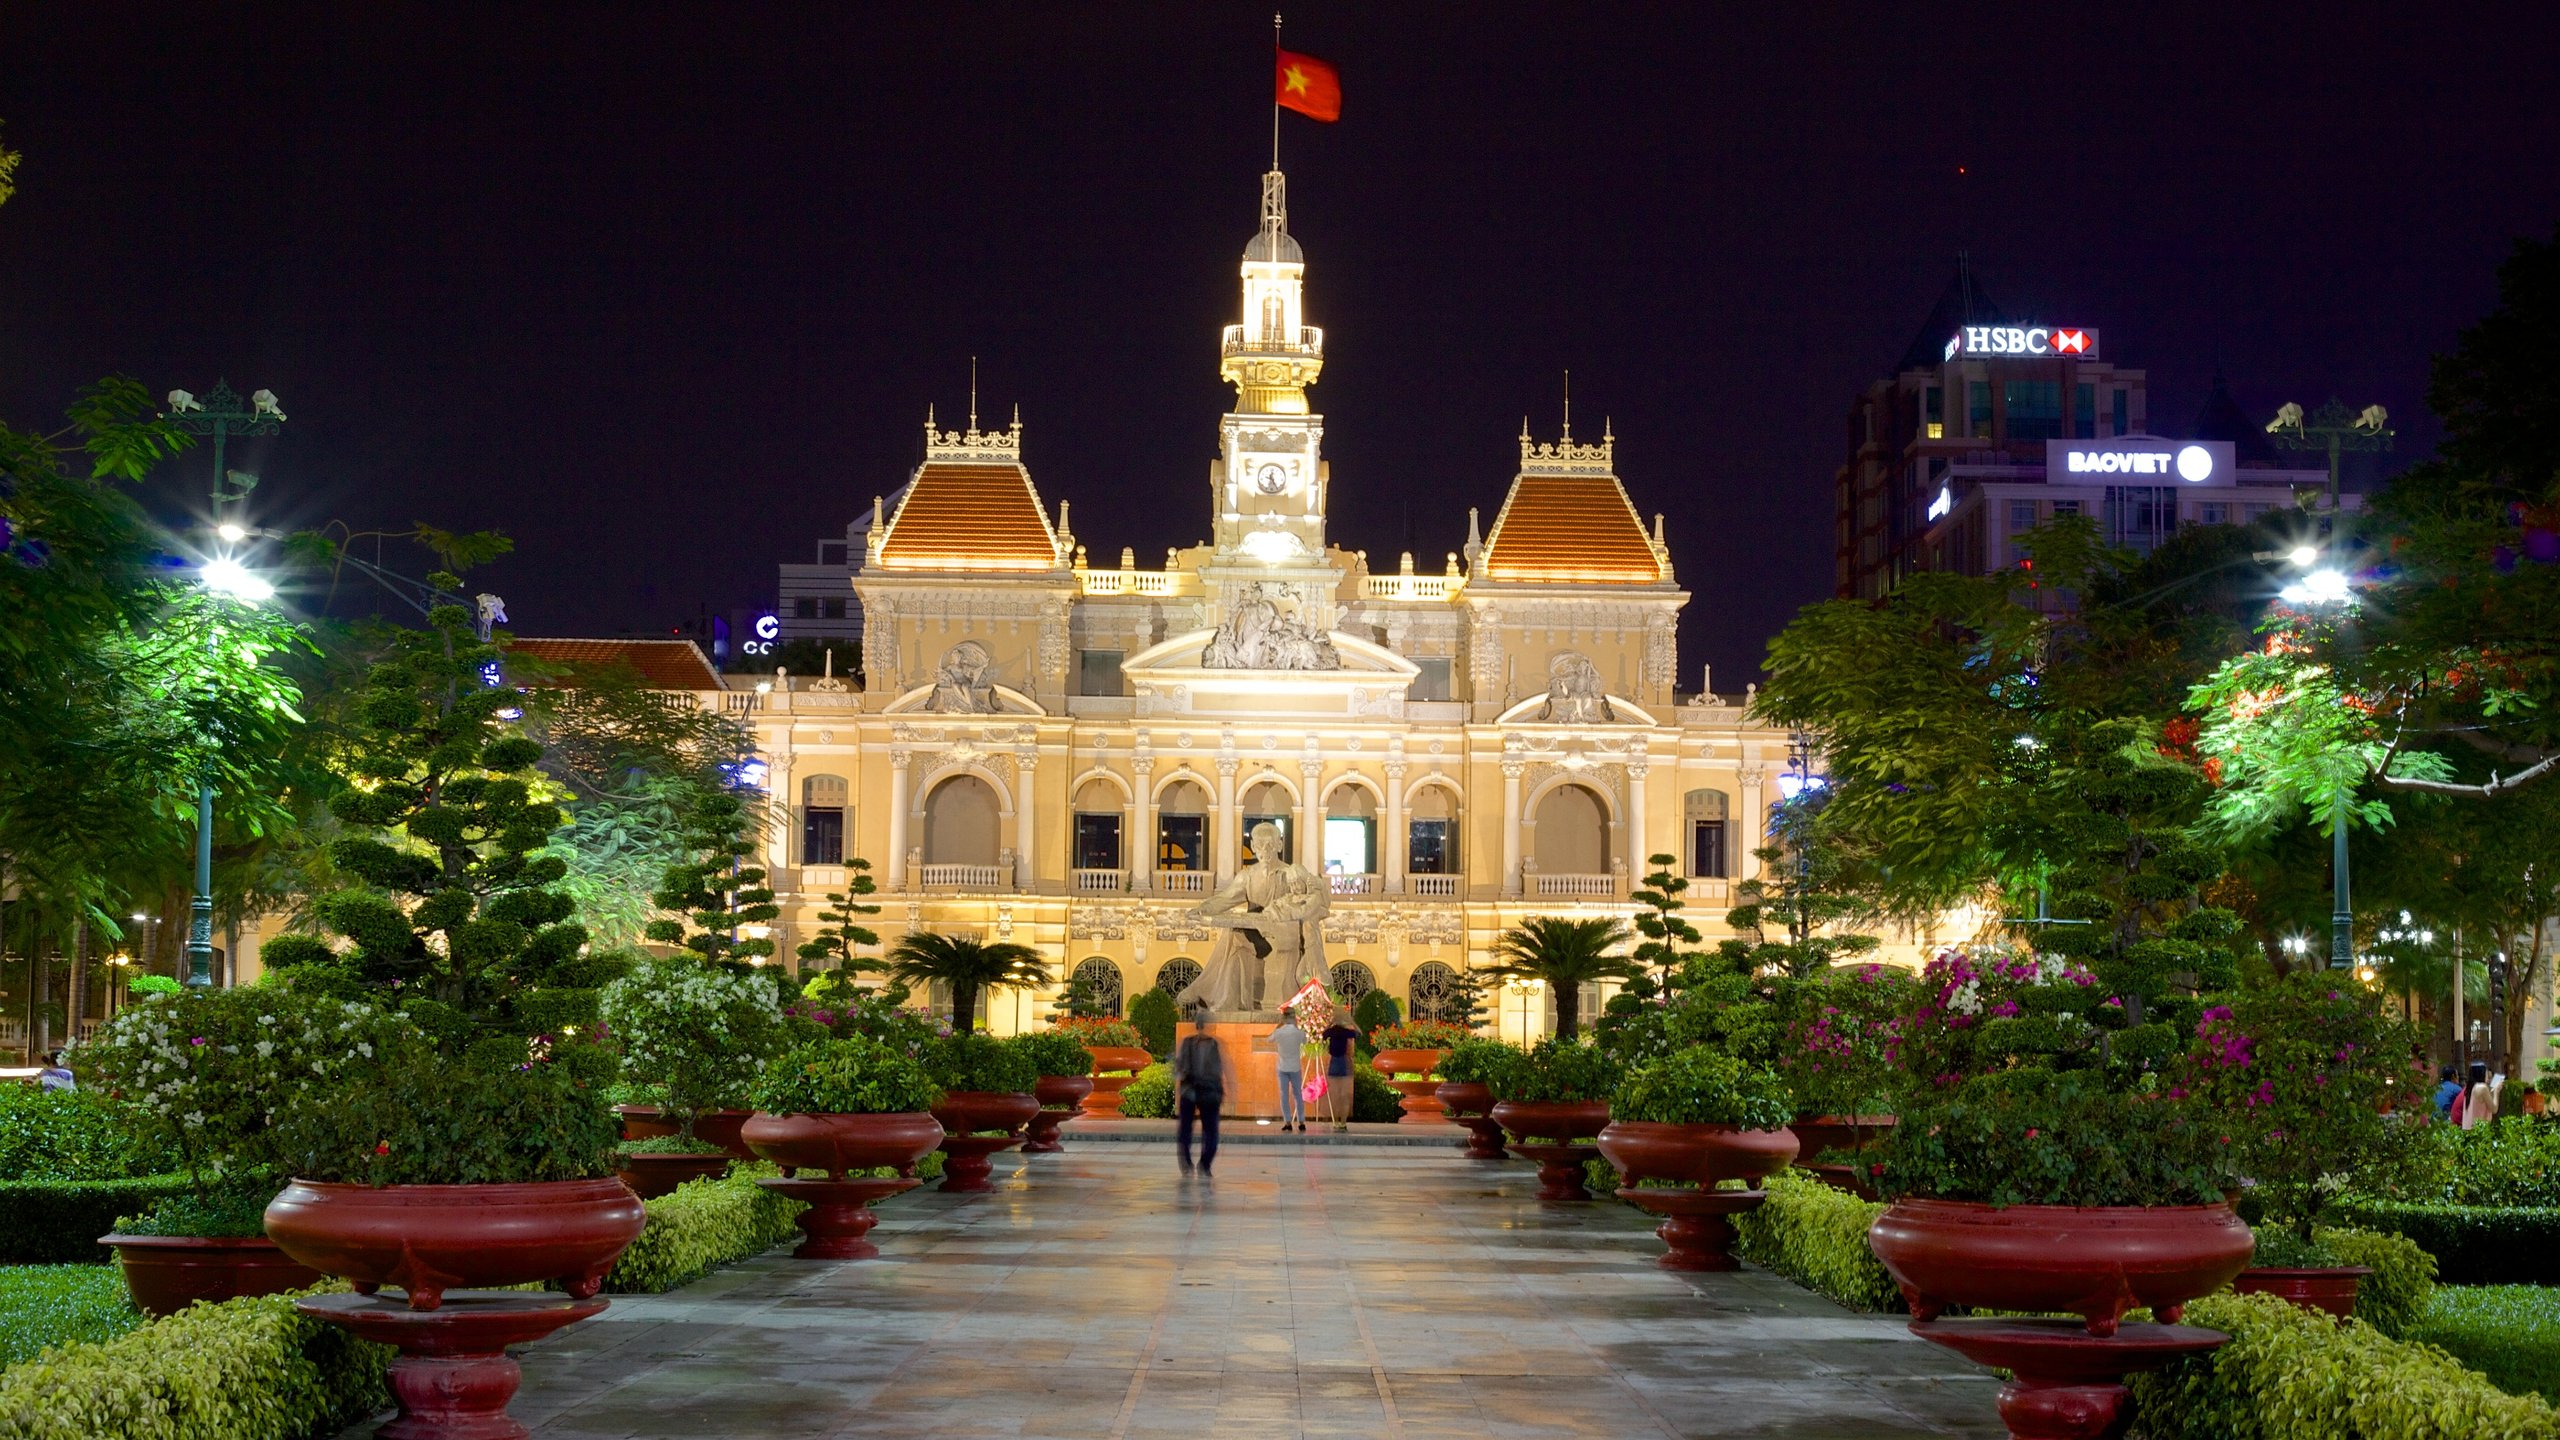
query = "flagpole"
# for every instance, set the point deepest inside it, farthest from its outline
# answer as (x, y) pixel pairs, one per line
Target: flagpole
(1275, 97)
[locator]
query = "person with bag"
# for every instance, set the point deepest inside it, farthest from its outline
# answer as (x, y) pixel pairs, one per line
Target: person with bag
(1200, 1089)
(1289, 1047)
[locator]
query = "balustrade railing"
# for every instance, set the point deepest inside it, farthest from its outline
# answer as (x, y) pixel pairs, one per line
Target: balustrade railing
(1575, 887)
(1354, 884)
(1101, 882)
(966, 877)
(1441, 887)
(1182, 882)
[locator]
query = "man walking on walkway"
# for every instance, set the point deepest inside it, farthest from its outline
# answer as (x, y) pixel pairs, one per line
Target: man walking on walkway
(1200, 1088)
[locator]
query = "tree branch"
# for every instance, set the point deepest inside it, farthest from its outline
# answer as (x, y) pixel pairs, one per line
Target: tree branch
(2497, 785)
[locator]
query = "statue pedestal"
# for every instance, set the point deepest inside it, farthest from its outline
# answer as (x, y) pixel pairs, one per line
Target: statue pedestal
(1253, 1076)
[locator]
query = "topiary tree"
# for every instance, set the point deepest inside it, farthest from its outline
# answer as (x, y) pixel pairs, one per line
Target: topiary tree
(445, 893)
(843, 928)
(717, 890)
(1153, 1013)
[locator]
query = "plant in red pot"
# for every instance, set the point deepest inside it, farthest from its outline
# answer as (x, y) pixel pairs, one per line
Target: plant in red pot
(1557, 1094)
(2303, 1074)
(853, 1116)
(986, 1104)
(1469, 1075)
(1116, 1051)
(210, 1075)
(1409, 1055)
(698, 1033)
(1065, 1078)
(1683, 1126)
(1840, 1056)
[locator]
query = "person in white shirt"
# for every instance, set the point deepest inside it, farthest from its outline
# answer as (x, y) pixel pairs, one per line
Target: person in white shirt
(1289, 1044)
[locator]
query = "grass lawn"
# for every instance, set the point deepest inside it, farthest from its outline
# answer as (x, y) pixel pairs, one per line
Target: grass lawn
(2510, 1333)
(43, 1305)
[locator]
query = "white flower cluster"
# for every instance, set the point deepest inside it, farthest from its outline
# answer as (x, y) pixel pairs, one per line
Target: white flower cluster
(674, 1012)
(190, 1061)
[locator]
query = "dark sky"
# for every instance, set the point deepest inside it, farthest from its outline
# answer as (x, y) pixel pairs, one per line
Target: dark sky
(663, 291)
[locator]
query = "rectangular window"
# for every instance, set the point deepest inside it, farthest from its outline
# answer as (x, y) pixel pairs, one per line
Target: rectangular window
(2139, 517)
(1706, 848)
(1349, 845)
(1429, 851)
(1433, 682)
(805, 608)
(2084, 412)
(822, 835)
(2117, 398)
(2035, 409)
(832, 607)
(1182, 842)
(2215, 512)
(1097, 842)
(2065, 507)
(2022, 515)
(1933, 413)
(1978, 408)
(1098, 672)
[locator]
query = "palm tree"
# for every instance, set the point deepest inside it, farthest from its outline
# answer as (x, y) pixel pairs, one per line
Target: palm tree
(1567, 954)
(967, 965)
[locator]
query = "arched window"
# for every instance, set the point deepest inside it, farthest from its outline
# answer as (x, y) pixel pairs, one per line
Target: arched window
(1431, 823)
(1430, 995)
(823, 803)
(1351, 980)
(962, 823)
(1182, 827)
(1176, 974)
(1705, 811)
(1267, 803)
(1573, 832)
(1102, 981)
(1351, 831)
(1097, 833)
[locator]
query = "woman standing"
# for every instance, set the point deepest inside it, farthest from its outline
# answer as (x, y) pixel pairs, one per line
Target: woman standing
(1338, 1040)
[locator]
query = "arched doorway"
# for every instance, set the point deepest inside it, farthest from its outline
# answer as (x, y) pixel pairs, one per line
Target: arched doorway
(1266, 803)
(963, 823)
(1182, 827)
(1351, 838)
(1176, 974)
(1101, 979)
(1351, 980)
(1573, 832)
(1432, 993)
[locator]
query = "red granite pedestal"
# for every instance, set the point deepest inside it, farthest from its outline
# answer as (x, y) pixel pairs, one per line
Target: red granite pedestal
(2067, 1383)
(1559, 1170)
(453, 1376)
(839, 1213)
(1696, 1227)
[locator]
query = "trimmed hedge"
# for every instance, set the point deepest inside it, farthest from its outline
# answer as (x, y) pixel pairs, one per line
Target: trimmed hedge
(2473, 1244)
(1149, 1093)
(42, 1306)
(58, 1222)
(2395, 1296)
(253, 1369)
(69, 1135)
(2510, 1333)
(2289, 1374)
(1816, 1235)
(701, 1226)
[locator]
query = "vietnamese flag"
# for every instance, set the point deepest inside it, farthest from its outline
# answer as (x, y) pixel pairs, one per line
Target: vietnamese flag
(1308, 86)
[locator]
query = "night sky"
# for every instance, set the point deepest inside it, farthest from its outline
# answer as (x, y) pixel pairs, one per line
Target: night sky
(664, 291)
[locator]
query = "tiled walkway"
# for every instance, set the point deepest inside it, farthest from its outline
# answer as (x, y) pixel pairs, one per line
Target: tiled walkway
(1385, 1294)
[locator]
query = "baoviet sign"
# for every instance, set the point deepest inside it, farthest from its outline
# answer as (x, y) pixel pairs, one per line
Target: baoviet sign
(2025, 341)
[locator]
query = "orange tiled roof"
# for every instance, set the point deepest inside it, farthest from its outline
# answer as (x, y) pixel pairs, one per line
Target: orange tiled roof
(1570, 528)
(970, 517)
(663, 664)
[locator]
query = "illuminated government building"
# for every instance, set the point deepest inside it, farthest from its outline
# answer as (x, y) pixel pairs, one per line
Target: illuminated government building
(1070, 753)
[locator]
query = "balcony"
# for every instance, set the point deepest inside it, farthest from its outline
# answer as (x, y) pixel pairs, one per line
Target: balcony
(1099, 882)
(1436, 887)
(1411, 587)
(1353, 884)
(1182, 882)
(964, 877)
(1309, 340)
(1574, 887)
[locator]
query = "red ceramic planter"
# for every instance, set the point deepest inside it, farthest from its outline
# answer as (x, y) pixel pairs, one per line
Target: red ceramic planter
(2330, 1290)
(840, 1143)
(1818, 1133)
(1104, 1102)
(428, 1239)
(1467, 1102)
(2095, 1262)
(968, 1157)
(1060, 1097)
(1421, 1097)
(1699, 1155)
(167, 1273)
(643, 1122)
(651, 1176)
(1557, 1120)
(453, 1376)
(724, 1128)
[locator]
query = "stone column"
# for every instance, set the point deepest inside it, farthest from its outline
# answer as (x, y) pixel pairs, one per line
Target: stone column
(1026, 831)
(1224, 844)
(1395, 848)
(895, 876)
(782, 806)
(1141, 847)
(1637, 849)
(1754, 831)
(1511, 826)
(1311, 815)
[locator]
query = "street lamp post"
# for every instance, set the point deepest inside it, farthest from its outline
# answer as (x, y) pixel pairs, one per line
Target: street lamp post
(219, 416)
(2323, 587)
(2333, 428)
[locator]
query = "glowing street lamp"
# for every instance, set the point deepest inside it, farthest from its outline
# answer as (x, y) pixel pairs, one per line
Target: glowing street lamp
(225, 576)
(2320, 588)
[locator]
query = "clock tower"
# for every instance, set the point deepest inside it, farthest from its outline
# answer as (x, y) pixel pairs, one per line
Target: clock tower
(1268, 483)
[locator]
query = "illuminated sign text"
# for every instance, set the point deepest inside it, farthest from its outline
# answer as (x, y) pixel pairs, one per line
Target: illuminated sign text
(2024, 340)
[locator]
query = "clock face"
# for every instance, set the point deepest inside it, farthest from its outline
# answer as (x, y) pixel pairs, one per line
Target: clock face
(1272, 478)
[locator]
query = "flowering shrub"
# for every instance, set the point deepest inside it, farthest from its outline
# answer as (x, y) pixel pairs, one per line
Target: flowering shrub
(1699, 1086)
(1420, 1035)
(1100, 1032)
(2051, 1137)
(849, 1075)
(2299, 1074)
(1052, 1053)
(697, 1029)
(1843, 1052)
(460, 1123)
(875, 1015)
(979, 1062)
(1559, 1072)
(1990, 1008)
(213, 1074)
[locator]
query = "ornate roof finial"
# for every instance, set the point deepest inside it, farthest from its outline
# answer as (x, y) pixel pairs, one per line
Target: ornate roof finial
(973, 392)
(1568, 407)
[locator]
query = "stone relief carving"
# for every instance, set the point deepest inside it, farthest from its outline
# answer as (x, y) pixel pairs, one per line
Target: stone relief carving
(1659, 656)
(1257, 636)
(961, 686)
(1435, 927)
(1358, 927)
(1098, 922)
(1575, 695)
(1053, 643)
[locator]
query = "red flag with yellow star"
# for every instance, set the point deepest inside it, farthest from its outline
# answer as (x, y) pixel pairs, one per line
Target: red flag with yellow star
(1307, 85)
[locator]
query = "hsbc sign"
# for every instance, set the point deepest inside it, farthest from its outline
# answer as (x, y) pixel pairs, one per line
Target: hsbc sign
(2024, 341)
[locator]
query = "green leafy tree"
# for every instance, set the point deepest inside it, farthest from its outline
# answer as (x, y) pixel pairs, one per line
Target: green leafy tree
(717, 891)
(1801, 892)
(447, 892)
(842, 928)
(1565, 953)
(1665, 934)
(1078, 1000)
(966, 965)
(1153, 1014)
